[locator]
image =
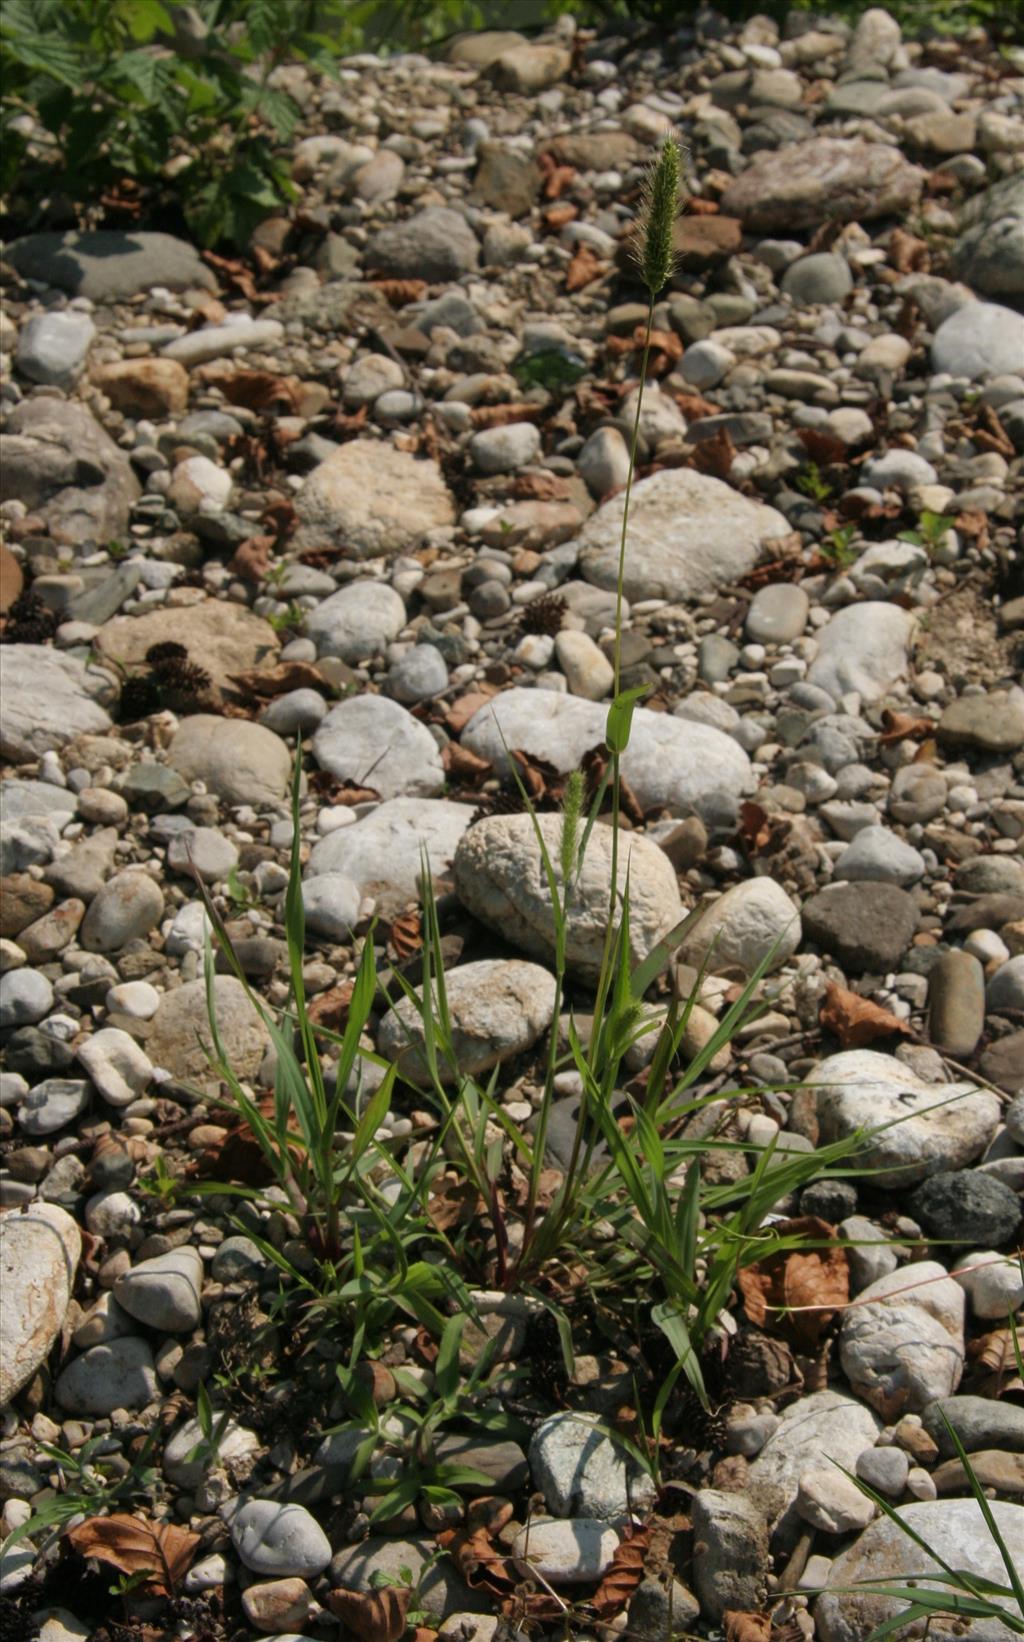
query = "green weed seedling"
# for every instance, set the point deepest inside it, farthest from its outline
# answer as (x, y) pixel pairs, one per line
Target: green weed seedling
(837, 547)
(931, 532)
(813, 483)
(88, 1488)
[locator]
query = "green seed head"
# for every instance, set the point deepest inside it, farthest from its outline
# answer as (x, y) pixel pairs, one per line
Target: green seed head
(657, 217)
(572, 813)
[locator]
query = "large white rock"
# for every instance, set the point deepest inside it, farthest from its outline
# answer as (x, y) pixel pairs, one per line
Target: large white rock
(371, 500)
(242, 763)
(374, 742)
(827, 1423)
(499, 875)
(683, 767)
(956, 1531)
(919, 1128)
(179, 1035)
(864, 648)
(39, 1254)
(498, 1008)
(688, 534)
(751, 920)
(383, 852)
(902, 1345)
(980, 339)
(357, 621)
(49, 698)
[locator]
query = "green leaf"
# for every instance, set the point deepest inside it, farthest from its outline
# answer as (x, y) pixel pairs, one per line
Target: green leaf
(620, 717)
(144, 18)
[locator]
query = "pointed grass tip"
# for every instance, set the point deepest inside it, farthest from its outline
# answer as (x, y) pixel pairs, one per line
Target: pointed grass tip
(654, 250)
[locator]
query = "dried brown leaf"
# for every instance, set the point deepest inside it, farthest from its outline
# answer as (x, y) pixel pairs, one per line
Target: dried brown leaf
(856, 1021)
(260, 390)
(251, 558)
(741, 1626)
(463, 708)
(330, 1009)
(465, 765)
(584, 268)
(138, 1545)
(406, 937)
(499, 416)
(904, 727)
(399, 292)
(267, 682)
(622, 1576)
(714, 456)
(776, 1289)
(907, 253)
(372, 1616)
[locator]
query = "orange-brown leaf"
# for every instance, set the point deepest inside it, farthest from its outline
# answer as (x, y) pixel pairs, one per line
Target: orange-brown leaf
(260, 390)
(251, 558)
(400, 291)
(463, 764)
(741, 1626)
(904, 727)
(454, 1206)
(267, 682)
(138, 1545)
(714, 456)
(584, 268)
(856, 1021)
(330, 1009)
(774, 1289)
(372, 1616)
(407, 936)
(499, 416)
(622, 1576)
(463, 708)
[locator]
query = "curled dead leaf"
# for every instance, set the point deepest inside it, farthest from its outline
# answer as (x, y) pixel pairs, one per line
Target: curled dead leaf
(903, 727)
(779, 1290)
(622, 1576)
(399, 292)
(138, 1545)
(741, 1626)
(463, 708)
(584, 268)
(856, 1021)
(267, 682)
(372, 1616)
(330, 1009)
(499, 416)
(714, 456)
(251, 558)
(260, 390)
(406, 938)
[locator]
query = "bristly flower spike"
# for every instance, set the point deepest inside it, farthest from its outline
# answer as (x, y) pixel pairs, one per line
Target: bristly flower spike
(657, 218)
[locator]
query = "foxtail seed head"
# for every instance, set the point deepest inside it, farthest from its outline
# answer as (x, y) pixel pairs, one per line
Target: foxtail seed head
(658, 211)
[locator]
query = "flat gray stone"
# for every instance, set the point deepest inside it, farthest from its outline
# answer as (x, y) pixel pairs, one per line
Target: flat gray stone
(581, 1472)
(989, 254)
(435, 244)
(981, 339)
(49, 698)
(442, 1590)
(373, 742)
(802, 184)
(864, 647)
(498, 1008)
(684, 767)
(57, 459)
(164, 1292)
(119, 1374)
(824, 1423)
(109, 265)
(499, 875)
(240, 762)
(955, 1530)
(357, 622)
(688, 534)
(279, 1540)
(923, 1128)
(382, 852)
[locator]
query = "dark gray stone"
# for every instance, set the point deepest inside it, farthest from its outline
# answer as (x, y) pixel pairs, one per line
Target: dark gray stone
(968, 1208)
(979, 1422)
(865, 926)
